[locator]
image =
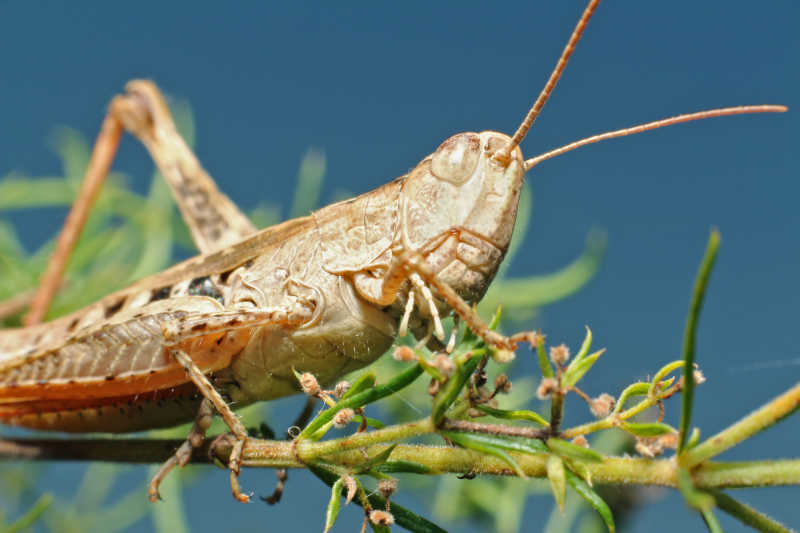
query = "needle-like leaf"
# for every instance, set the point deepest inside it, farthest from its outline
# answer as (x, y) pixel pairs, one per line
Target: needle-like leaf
(690, 334)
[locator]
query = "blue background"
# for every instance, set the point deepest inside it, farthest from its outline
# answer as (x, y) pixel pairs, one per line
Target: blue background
(379, 87)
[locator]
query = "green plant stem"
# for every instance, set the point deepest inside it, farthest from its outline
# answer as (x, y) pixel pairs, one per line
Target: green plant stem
(711, 521)
(556, 411)
(779, 408)
(374, 394)
(308, 450)
(436, 459)
(747, 515)
(496, 429)
(770, 472)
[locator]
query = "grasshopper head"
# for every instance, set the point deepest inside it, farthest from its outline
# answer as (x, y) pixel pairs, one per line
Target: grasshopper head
(459, 206)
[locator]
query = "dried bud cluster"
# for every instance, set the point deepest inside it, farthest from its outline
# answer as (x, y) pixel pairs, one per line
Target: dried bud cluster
(309, 384)
(655, 446)
(698, 376)
(649, 447)
(534, 338)
(404, 354)
(503, 356)
(602, 405)
(381, 518)
(670, 440)
(581, 441)
(559, 354)
(350, 484)
(475, 413)
(444, 364)
(387, 487)
(546, 388)
(341, 388)
(343, 417)
(502, 384)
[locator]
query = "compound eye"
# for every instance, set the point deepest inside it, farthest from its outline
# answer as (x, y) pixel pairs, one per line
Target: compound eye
(455, 160)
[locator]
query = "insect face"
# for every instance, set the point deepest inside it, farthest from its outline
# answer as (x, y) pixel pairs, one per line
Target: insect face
(468, 203)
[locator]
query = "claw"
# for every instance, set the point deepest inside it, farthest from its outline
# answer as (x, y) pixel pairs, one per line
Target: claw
(153, 495)
(234, 462)
(179, 458)
(238, 495)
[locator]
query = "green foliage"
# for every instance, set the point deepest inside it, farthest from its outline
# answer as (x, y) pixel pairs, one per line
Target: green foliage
(131, 235)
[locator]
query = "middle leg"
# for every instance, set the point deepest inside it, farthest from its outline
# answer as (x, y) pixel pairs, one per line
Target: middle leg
(209, 324)
(231, 420)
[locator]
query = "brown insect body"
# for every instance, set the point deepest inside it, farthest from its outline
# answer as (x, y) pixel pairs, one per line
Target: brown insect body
(107, 367)
(324, 294)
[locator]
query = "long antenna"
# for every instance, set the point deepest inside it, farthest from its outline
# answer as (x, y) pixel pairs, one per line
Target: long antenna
(739, 110)
(503, 154)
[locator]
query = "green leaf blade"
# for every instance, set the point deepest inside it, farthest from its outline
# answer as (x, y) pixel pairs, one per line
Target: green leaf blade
(567, 449)
(335, 503)
(593, 499)
(486, 446)
(690, 335)
(520, 414)
(556, 474)
(647, 429)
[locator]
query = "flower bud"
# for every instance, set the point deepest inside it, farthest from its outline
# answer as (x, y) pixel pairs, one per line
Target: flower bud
(581, 441)
(546, 388)
(350, 484)
(669, 440)
(381, 518)
(341, 388)
(534, 338)
(444, 364)
(502, 384)
(602, 405)
(649, 447)
(343, 417)
(559, 354)
(387, 487)
(698, 376)
(309, 384)
(404, 354)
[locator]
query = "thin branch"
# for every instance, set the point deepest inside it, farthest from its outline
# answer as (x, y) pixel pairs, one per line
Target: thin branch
(757, 421)
(748, 515)
(496, 429)
(141, 451)
(436, 459)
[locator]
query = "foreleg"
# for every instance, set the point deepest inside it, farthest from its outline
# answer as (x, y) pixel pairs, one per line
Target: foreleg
(414, 263)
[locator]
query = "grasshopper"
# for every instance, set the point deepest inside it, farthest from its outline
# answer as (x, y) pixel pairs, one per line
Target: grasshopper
(326, 293)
